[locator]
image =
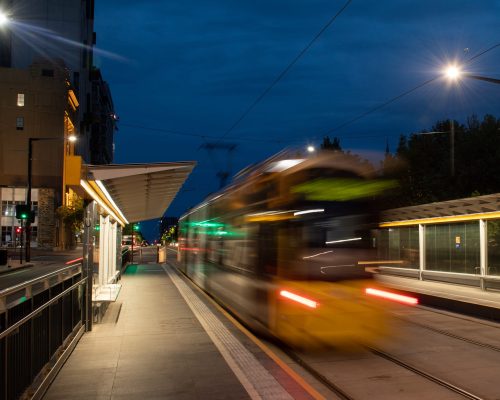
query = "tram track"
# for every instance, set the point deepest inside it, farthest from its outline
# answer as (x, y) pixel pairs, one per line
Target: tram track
(334, 388)
(343, 394)
(452, 335)
(450, 386)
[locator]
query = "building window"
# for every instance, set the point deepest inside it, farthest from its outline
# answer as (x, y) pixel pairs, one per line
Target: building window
(20, 123)
(20, 99)
(6, 235)
(48, 72)
(34, 234)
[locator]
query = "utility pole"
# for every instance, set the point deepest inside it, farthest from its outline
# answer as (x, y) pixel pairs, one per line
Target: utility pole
(222, 174)
(452, 147)
(27, 234)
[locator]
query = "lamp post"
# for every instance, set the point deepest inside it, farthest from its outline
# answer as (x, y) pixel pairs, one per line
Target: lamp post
(135, 227)
(27, 235)
(454, 72)
(452, 144)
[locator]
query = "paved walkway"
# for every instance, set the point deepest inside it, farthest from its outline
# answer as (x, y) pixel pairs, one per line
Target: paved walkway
(160, 345)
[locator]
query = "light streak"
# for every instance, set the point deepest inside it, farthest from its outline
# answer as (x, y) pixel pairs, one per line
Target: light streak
(317, 210)
(299, 299)
(392, 296)
(343, 240)
(315, 255)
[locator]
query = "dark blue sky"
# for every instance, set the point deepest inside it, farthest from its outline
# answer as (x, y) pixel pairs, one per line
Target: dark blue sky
(195, 66)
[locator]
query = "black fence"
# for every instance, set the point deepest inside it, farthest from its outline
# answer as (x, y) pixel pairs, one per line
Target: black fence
(37, 321)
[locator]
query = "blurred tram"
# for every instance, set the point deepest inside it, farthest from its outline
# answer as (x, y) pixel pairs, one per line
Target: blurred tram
(286, 248)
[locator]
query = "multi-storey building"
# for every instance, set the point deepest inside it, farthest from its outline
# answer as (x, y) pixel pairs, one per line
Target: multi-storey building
(49, 89)
(38, 103)
(103, 121)
(54, 31)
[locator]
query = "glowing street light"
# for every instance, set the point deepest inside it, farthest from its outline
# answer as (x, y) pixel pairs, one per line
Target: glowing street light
(453, 72)
(72, 138)
(311, 149)
(4, 18)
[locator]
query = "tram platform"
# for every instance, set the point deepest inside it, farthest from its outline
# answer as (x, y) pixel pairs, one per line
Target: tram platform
(164, 339)
(462, 299)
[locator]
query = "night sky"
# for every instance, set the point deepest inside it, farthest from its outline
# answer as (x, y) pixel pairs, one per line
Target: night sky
(187, 70)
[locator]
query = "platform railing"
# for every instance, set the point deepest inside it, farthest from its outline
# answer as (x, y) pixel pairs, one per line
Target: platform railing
(38, 320)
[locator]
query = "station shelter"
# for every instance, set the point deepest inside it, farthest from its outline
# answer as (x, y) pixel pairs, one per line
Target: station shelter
(114, 196)
(455, 241)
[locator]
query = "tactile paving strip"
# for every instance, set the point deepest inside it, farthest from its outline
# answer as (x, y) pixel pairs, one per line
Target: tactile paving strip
(256, 380)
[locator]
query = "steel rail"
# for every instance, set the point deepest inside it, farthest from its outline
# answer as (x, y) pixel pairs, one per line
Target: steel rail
(320, 377)
(22, 321)
(452, 335)
(424, 374)
(19, 286)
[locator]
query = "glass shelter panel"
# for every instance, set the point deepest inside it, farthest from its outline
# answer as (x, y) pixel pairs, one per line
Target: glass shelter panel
(400, 245)
(453, 248)
(493, 265)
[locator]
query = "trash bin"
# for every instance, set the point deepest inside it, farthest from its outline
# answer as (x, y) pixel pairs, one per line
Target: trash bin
(3, 256)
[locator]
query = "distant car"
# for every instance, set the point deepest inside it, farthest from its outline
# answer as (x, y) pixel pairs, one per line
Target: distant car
(144, 243)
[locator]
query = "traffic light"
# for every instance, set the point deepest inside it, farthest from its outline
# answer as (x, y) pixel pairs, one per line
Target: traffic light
(136, 227)
(23, 211)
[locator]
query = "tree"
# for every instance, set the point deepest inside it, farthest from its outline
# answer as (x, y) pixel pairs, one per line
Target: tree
(423, 162)
(170, 235)
(331, 145)
(72, 219)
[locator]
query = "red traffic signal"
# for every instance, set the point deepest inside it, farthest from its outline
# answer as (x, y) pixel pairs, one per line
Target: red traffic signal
(19, 229)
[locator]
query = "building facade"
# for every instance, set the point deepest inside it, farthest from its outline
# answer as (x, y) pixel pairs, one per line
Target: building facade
(37, 105)
(49, 91)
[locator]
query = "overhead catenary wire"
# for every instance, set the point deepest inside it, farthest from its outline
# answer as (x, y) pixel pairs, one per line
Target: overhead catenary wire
(331, 130)
(199, 135)
(282, 74)
(398, 97)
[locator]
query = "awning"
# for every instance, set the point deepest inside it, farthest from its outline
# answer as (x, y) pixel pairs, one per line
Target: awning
(139, 191)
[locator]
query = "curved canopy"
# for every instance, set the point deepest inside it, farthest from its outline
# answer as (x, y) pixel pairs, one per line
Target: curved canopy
(141, 191)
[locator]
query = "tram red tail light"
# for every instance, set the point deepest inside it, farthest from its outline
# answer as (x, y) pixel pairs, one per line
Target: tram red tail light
(392, 296)
(299, 299)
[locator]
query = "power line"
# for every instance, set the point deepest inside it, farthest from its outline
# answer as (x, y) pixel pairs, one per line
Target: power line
(483, 52)
(338, 127)
(189, 134)
(285, 71)
(376, 108)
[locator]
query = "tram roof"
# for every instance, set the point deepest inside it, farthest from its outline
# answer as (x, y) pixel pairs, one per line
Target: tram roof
(140, 191)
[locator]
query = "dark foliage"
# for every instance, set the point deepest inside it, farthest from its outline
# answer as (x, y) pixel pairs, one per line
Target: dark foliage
(422, 163)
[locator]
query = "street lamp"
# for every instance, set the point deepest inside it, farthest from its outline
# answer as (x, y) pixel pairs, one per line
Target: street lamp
(454, 72)
(71, 138)
(452, 144)
(4, 18)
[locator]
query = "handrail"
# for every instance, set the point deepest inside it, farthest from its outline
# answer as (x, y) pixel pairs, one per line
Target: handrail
(22, 285)
(39, 309)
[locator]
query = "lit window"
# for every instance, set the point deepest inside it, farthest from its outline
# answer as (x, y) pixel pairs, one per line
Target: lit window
(20, 99)
(20, 123)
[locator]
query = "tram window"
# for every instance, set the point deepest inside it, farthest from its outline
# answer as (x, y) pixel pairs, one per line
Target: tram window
(268, 252)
